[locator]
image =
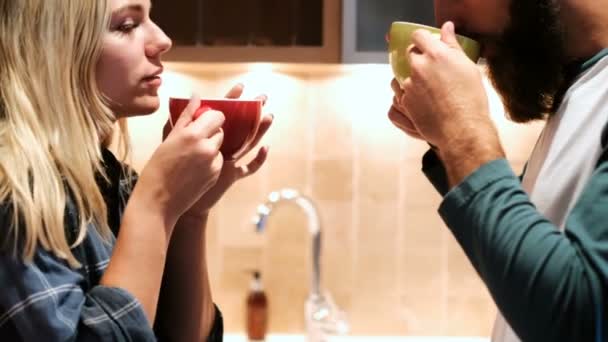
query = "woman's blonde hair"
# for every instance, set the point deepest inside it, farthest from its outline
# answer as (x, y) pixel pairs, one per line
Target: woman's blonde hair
(53, 120)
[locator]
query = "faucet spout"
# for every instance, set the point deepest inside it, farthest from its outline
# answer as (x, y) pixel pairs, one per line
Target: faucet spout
(314, 227)
(321, 314)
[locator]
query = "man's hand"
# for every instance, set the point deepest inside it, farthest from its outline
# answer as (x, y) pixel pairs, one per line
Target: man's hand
(444, 96)
(444, 102)
(397, 113)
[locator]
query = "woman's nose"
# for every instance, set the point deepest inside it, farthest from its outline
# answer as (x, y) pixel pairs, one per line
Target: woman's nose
(159, 44)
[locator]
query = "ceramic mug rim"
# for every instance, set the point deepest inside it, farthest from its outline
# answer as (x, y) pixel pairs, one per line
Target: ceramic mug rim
(214, 99)
(430, 28)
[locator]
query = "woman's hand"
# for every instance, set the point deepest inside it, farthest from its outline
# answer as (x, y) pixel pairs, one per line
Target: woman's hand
(231, 171)
(185, 166)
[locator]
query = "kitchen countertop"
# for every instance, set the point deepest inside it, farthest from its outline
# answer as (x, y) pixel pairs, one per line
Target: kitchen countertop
(301, 338)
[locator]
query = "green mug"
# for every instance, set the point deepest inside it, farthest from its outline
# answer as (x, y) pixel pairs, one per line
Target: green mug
(400, 38)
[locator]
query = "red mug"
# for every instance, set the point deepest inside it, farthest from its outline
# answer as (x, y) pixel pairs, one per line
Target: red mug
(241, 125)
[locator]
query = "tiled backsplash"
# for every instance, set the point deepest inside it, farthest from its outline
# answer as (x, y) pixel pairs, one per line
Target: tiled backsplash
(388, 259)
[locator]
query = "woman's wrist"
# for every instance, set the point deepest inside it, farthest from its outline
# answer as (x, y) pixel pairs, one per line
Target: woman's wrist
(193, 220)
(145, 203)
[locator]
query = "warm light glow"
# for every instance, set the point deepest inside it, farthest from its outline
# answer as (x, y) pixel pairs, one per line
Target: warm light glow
(261, 67)
(363, 97)
(358, 96)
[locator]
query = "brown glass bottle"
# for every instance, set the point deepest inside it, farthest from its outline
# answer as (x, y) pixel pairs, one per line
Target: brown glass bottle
(257, 310)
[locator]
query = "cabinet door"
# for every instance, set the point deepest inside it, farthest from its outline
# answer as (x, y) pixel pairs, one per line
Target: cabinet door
(365, 24)
(247, 22)
(251, 30)
(179, 19)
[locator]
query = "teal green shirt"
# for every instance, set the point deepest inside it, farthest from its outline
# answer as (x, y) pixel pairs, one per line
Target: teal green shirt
(547, 284)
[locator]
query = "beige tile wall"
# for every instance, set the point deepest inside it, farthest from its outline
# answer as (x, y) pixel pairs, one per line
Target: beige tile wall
(388, 259)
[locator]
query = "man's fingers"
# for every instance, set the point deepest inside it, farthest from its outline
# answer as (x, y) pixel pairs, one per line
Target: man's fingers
(396, 86)
(423, 41)
(448, 35)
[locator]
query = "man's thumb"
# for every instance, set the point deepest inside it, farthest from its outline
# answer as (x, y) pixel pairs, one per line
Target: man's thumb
(448, 35)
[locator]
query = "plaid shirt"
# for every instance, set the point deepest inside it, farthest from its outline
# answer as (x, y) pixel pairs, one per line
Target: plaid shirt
(46, 300)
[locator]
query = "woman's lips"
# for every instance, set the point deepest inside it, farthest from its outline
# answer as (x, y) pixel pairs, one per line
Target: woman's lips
(153, 81)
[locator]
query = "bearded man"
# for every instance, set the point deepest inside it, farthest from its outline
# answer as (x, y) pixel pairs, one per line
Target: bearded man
(538, 241)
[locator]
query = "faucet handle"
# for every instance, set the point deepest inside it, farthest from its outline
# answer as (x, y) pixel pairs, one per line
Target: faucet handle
(261, 218)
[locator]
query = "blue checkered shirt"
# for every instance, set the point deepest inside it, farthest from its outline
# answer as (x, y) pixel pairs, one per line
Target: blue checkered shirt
(46, 300)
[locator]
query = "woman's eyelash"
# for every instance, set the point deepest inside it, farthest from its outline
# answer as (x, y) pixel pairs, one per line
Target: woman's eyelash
(127, 26)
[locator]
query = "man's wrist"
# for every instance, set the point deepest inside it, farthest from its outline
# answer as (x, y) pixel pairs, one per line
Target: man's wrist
(464, 154)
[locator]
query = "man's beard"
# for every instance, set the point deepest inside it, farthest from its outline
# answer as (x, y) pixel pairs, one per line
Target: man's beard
(528, 66)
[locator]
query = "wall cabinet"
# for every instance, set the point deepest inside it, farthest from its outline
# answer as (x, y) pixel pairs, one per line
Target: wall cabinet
(294, 31)
(251, 30)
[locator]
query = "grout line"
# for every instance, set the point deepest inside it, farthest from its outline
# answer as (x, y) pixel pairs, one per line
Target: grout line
(312, 106)
(401, 228)
(445, 280)
(355, 205)
(218, 237)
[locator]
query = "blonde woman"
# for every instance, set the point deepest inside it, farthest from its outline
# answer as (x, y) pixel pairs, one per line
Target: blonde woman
(88, 250)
